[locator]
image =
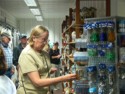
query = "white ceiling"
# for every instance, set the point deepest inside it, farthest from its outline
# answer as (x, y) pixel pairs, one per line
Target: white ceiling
(49, 8)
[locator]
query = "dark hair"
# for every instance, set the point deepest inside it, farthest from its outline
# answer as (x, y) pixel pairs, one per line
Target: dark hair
(56, 43)
(3, 66)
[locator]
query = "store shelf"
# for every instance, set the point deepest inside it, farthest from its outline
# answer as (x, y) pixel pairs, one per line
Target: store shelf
(120, 65)
(73, 25)
(70, 58)
(78, 63)
(82, 63)
(121, 33)
(71, 43)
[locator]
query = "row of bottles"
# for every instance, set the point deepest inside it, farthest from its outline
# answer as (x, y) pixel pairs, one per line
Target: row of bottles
(100, 31)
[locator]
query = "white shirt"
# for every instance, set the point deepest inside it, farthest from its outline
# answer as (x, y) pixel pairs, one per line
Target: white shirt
(6, 85)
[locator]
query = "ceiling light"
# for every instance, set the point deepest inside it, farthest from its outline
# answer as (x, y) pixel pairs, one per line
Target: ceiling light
(35, 11)
(39, 18)
(31, 3)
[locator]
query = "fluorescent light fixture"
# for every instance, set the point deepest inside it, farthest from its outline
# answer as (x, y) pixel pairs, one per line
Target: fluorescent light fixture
(35, 11)
(39, 18)
(31, 3)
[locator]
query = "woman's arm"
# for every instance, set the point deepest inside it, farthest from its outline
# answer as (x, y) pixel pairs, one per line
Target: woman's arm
(38, 82)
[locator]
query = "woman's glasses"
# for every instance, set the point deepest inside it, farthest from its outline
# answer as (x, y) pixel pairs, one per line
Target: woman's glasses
(43, 40)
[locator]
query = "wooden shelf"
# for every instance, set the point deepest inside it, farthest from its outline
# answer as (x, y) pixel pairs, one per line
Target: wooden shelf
(68, 43)
(70, 58)
(82, 63)
(73, 25)
(71, 43)
(120, 65)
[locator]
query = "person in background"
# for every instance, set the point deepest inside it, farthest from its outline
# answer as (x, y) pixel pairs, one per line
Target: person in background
(6, 85)
(47, 49)
(35, 67)
(18, 49)
(5, 39)
(16, 53)
(55, 60)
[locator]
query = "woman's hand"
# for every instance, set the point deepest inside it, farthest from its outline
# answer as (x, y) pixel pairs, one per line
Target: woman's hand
(13, 69)
(58, 56)
(69, 77)
(53, 70)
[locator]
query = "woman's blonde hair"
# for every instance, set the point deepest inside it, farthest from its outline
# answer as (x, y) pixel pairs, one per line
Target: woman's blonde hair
(36, 31)
(46, 48)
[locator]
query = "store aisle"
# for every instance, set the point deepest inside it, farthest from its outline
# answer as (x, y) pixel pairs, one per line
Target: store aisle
(58, 92)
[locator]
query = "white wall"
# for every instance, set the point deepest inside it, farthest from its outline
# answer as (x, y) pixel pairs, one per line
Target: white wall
(10, 19)
(114, 7)
(54, 26)
(121, 8)
(117, 8)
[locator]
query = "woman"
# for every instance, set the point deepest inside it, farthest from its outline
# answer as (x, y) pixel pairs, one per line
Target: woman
(35, 67)
(6, 85)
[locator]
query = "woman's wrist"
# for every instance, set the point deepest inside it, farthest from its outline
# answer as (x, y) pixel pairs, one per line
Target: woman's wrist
(62, 79)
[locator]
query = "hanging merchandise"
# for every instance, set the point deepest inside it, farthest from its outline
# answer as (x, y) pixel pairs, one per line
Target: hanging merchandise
(111, 74)
(110, 55)
(73, 36)
(102, 51)
(111, 35)
(112, 79)
(92, 73)
(102, 77)
(94, 36)
(103, 35)
(92, 88)
(92, 49)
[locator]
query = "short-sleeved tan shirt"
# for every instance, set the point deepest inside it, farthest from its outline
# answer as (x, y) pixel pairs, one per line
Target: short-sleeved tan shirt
(29, 61)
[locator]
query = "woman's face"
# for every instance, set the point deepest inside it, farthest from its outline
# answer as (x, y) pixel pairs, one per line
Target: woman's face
(55, 47)
(41, 41)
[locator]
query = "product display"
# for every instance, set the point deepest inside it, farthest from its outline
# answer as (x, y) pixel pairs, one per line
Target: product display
(102, 51)
(73, 36)
(81, 58)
